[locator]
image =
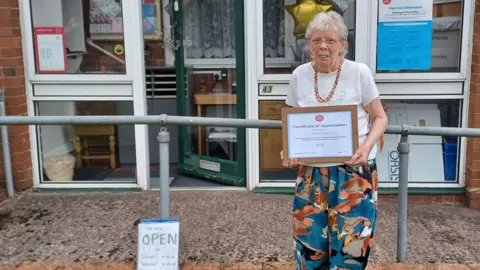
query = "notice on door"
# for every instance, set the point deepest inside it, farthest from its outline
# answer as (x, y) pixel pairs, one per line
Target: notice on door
(50, 50)
(404, 35)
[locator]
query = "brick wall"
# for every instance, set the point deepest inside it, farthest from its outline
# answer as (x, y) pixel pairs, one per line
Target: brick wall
(472, 175)
(12, 80)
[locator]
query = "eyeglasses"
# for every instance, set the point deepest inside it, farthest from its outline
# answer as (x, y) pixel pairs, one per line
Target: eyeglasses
(328, 42)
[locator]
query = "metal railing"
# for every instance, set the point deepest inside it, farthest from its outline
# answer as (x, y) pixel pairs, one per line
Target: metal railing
(164, 140)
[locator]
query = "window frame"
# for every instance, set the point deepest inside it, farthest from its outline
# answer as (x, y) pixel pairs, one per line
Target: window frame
(129, 36)
(274, 62)
(467, 18)
(361, 43)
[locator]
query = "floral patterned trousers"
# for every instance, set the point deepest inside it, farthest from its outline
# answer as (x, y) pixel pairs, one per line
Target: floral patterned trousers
(334, 213)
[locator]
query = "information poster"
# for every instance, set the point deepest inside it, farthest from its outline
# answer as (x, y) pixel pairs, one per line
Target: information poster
(50, 50)
(404, 35)
(158, 245)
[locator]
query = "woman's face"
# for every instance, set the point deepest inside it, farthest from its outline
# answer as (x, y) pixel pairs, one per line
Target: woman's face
(326, 47)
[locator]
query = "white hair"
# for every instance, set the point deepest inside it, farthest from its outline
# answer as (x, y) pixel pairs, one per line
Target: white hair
(329, 20)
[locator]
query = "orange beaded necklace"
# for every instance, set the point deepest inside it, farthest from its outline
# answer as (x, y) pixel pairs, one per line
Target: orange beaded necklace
(315, 82)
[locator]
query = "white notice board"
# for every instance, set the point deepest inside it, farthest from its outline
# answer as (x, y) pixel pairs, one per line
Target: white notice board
(158, 244)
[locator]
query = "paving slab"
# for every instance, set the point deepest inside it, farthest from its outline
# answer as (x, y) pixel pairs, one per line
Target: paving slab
(215, 226)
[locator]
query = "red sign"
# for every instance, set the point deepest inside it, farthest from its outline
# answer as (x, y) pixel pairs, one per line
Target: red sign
(50, 50)
(387, 2)
(319, 118)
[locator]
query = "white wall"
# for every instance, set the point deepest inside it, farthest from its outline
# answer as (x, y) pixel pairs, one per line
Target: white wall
(56, 140)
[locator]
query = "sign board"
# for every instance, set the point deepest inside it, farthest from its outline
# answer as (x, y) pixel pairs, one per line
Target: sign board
(404, 35)
(50, 50)
(158, 244)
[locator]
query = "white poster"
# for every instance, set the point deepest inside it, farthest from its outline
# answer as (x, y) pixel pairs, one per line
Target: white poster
(405, 10)
(50, 54)
(158, 245)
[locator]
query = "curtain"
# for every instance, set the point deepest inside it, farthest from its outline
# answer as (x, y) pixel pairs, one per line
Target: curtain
(274, 28)
(209, 28)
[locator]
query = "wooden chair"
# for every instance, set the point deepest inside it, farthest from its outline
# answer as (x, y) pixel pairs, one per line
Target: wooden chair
(84, 149)
(95, 142)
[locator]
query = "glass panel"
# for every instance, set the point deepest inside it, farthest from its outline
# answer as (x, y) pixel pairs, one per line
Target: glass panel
(209, 29)
(283, 51)
(271, 169)
(445, 44)
(433, 159)
(78, 37)
(212, 93)
(209, 32)
(100, 153)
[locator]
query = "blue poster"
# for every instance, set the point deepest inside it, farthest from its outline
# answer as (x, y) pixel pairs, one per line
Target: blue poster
(404, 36)
(149, 12)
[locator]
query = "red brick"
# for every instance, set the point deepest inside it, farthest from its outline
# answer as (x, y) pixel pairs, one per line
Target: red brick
(9, 42)
(449, 199)
(9, 22)
(24, 183)
(11, 62)
(415, 198)
(460, 199)
(9, 3)
(10, 52)
(474, 204)
(473, 195)
(12, 81)
(9, 12)
(15, 91)
(17, 109)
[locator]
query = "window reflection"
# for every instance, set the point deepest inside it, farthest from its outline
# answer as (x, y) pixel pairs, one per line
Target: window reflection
(283, 52)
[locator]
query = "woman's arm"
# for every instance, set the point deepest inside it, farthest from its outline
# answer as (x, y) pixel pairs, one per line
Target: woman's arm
(379, 122)
(379, 125)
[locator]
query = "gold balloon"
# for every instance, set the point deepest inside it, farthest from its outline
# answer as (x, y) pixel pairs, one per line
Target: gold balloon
(304, 12)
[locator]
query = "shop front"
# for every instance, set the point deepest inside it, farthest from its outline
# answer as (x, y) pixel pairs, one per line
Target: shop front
(232, 59)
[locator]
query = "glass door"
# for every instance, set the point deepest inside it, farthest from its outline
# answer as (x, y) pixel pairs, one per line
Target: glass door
(211, 83)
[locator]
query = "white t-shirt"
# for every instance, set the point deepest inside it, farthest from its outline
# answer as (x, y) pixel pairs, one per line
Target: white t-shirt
(355, 86)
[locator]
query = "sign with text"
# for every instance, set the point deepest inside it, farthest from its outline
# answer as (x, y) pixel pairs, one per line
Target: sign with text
(322, 134)
(50, 50)
(158, 244)
(404, 35)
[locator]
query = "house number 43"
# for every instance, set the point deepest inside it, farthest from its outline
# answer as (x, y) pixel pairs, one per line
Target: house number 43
(267, 89)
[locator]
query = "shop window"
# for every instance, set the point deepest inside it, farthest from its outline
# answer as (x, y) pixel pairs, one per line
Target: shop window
(85, 36)
(433, 159)
(423, 46)
(78, 37)
(79, 153)
(284, 47)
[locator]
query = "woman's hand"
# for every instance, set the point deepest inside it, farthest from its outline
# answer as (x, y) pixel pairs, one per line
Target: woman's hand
(289, 163)
(360, 158)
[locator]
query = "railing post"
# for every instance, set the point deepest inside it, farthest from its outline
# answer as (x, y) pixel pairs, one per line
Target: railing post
(403, 150)
(6, 149)
(163, 142)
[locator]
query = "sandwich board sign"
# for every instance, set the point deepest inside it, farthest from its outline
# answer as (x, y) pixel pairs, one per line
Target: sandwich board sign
(158, 244)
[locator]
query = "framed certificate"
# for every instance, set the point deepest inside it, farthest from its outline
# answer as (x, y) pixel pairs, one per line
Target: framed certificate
(327, 134)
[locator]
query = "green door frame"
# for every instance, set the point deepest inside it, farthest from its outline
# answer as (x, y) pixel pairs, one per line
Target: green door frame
(231, 173)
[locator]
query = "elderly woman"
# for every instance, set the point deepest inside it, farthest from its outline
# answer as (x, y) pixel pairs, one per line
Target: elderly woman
(335, 205)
